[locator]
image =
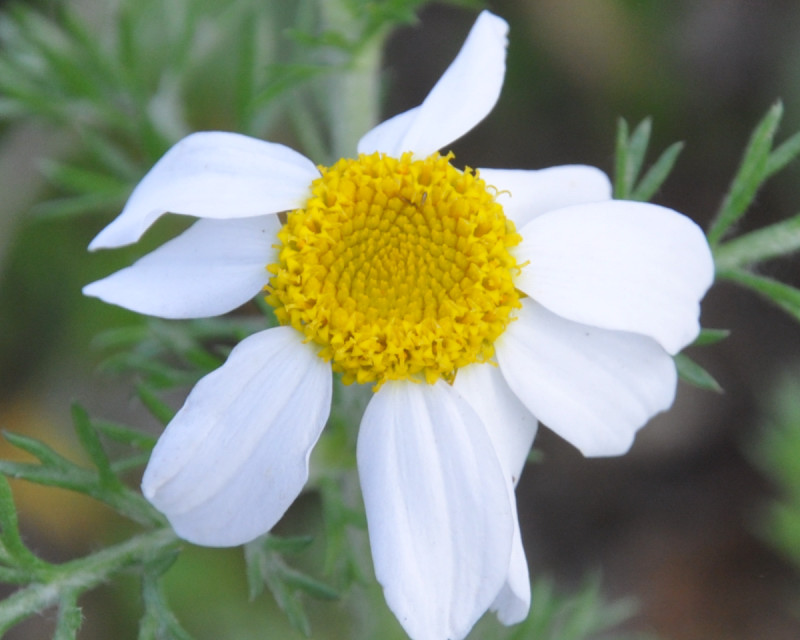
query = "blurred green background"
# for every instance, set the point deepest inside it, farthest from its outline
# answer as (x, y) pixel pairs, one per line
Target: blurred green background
(679, 522)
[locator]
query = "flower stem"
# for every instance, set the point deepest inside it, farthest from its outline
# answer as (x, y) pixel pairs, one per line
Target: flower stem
(355, 97)
(83, 574)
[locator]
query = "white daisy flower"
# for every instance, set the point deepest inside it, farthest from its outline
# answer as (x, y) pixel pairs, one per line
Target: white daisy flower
(474, 302)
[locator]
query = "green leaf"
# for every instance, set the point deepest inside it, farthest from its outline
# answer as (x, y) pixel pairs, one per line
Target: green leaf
(630, 152)
(779, 239)
(125, 435)
(787, 151)
(158, 621)
(751, 174)
(81, 575)
(267, 567)
(68, 475)
(155, 405)
(80, 179)
(70, 616)
(46, 455)
(581, 615)
(657, 174)
(302, 582)
(92, 445)
(13, 546)
(290, 545)
(710, 336)
(783, 295)
(622, 186)
(691, 372)
(340, 553)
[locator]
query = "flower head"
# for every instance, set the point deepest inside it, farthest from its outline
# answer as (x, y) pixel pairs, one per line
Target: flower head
(473, 301)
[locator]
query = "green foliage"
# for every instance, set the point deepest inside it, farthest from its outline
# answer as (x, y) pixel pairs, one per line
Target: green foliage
(266, 566)
(691, 372)
(630, 154)
(582, 615)
(102, 483)
(753, 171)
(127, 86)
(737, 258)
(777, 453)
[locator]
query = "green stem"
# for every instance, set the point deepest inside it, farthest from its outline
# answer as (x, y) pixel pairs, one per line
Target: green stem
(355, 95)
(82, 574)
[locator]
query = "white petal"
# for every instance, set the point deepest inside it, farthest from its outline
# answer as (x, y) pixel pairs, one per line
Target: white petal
(509, 423)
(211, 268)
(440, 521)
(463, 96)
(593, 387)
(527, 194)
(512, 429)
(213, 174)
(514, 600)
(627, 266)
(236, 455)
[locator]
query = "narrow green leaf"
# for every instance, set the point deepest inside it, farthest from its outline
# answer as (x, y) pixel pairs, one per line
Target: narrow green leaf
(70, 616)
(290, 604)
(710, 336)
(125, 435)
(305, 583)
(265, 566)
(114, 157)
(245, 75)
(136, 461)
(637, 149)
(128, 503)
(621, 187)
(73, 478)
(82, 180)
(155, 405)
(71, 206)
(254, 569)
(158, 621)
(749, 177)
(92, 445)
(82, 574)
(291, 545)
(46, 455)
(776, 240)
(340, 554)
(657, 174)
(782, 155)
(9, 532)
(691, 372)
(783, 295)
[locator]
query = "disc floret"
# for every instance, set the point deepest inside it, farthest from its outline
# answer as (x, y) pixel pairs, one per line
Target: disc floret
(399, 268)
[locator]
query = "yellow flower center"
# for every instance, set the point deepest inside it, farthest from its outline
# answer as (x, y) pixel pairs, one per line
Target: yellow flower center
(398, 268)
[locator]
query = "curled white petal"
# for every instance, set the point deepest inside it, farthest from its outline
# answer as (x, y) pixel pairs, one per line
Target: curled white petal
(511, 426)
(512, 429)
(627, 266)
(593, 387)
(210, 269)
(525, 195)
(463, 96)
(439, 517)
(514, 600)
(213, 174)
(236, 455)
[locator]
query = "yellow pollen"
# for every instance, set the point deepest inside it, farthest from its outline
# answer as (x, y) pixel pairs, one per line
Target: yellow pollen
(397, 268)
